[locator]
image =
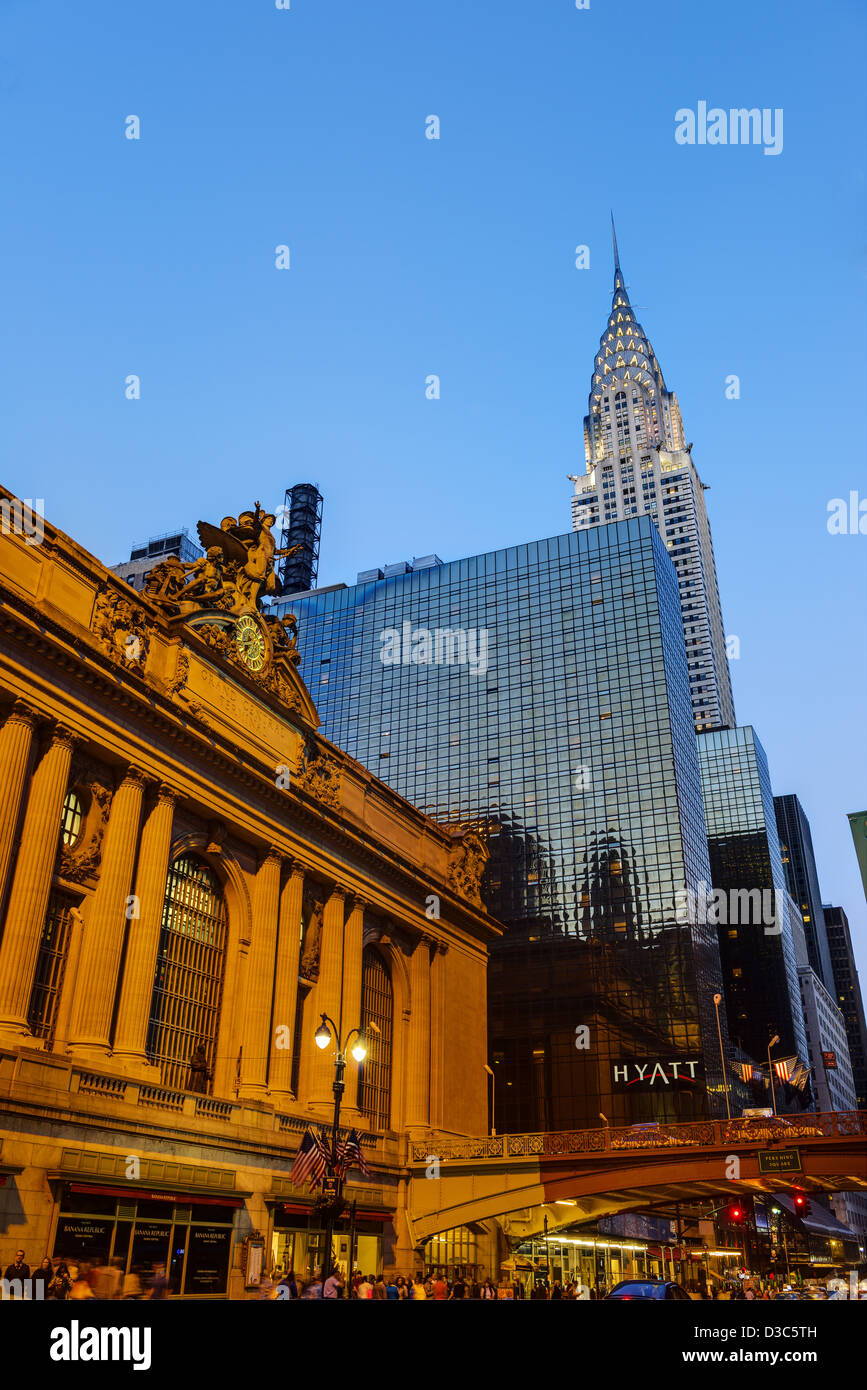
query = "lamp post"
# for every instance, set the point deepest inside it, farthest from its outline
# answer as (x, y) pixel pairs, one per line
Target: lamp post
(323, 1038)
(717, 1000)
(772, 1043)
(493, 1101)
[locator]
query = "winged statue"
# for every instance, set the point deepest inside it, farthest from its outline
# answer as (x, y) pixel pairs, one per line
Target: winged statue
(234, 574)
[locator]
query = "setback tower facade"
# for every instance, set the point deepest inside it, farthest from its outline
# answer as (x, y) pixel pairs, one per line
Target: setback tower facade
(540, 694)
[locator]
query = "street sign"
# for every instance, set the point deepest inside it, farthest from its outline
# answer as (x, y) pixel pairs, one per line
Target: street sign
(779, 1161)
(830, 1060)
(330, 1187)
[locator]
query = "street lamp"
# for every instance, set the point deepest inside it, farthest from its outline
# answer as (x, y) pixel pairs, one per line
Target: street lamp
(493, 1101)
(717, 1000)
(323, 1037)
(772, 1043)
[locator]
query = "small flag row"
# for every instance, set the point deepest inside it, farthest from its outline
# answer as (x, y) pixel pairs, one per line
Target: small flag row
(788, 1069)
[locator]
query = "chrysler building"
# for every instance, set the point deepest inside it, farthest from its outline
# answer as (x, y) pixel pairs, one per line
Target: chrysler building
(637, 462)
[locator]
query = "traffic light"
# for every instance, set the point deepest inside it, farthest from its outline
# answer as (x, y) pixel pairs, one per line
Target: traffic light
(802, 1206)
(736, 1212)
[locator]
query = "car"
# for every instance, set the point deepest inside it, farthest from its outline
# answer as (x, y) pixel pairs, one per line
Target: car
(649, 1289)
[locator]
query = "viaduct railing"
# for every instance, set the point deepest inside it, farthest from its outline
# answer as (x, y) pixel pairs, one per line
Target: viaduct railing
(848, 1124)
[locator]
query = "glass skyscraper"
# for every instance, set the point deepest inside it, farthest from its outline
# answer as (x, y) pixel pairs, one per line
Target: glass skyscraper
(541, 693)
(802, 880)
(758, 955)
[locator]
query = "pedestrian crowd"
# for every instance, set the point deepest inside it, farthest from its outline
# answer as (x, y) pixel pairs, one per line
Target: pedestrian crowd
(62, 1279)
(393, 1288)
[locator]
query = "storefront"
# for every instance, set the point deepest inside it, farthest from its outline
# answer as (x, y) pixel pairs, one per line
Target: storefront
(297, 1240)
(190, 1235)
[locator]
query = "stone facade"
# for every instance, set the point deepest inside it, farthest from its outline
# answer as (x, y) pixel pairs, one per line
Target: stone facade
(142, 738)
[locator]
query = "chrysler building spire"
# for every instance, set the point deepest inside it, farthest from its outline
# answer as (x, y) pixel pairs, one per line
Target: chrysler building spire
(637, 464)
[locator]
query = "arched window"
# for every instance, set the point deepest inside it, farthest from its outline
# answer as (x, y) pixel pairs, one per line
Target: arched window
(50, 967)
(374, 1073)
(70, 819)
(188, 987)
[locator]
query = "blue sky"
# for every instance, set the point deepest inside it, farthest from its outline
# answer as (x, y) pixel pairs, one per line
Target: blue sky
(409, 257)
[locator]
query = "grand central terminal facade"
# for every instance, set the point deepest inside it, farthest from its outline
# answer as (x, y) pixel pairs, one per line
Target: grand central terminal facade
(190, 877)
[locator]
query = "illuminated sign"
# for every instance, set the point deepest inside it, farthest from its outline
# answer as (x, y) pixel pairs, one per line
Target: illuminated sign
(643, 1075)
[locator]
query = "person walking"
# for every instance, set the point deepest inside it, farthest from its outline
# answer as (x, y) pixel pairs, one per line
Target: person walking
(42, 1278)
(61, 1283)
(418, 1292)
(440, 1289)
(379, 1288)
(392, 1292)
(487, 1290)
(19, 1269)
(459, 1288)
(131, 1286)
(159, 1283)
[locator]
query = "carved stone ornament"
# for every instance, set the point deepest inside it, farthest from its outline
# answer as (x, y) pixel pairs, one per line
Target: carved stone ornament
(318, 775)
(121, 628)
(467, 864)
(312, 940)
(234, 575)
(80, 861)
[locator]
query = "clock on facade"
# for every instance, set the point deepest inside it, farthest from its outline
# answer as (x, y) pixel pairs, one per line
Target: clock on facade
(250, 643)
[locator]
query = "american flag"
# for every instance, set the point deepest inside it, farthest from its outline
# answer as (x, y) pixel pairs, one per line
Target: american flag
(745, 1070)
(311, 1160)
(783, 1067)
(799, 1076)
(349, 1154)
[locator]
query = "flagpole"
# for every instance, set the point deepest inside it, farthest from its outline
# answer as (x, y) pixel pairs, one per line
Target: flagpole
(717, 1000)
(771, 1044)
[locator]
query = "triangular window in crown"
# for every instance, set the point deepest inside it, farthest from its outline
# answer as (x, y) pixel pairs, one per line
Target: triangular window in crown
(633, 361)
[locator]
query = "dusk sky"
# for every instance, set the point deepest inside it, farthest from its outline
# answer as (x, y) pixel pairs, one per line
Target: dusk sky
(409, 257)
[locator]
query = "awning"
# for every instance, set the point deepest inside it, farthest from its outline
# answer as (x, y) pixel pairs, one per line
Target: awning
(156, 1195)
(361, 1213)
(820, 1222)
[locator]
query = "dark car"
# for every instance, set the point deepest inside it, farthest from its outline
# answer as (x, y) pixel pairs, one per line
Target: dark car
(649, 1288)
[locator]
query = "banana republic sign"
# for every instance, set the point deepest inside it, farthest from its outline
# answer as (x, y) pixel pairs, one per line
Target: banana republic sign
(643, 1075)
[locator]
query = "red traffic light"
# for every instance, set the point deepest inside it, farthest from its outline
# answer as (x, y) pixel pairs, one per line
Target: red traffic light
(800, 1200)
(736, 1213)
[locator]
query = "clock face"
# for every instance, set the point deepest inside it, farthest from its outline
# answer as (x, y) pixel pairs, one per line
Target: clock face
(250, 643)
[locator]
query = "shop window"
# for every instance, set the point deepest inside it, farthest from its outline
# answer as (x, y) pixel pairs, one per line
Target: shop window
(374, 1073)
(188, 987)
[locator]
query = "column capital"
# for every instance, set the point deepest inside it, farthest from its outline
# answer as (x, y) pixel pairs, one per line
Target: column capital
(135, 776)
(358, 903)
(165, 792)
(21, 712)
(339, 890)
(272, 855)
(61, 736)
(433, 943)
(295, 866)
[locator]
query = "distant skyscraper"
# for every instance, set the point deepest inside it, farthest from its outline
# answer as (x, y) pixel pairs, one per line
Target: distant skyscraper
(760, 958)
(302, 527)
(802, 881)
(637, 463)
(847, 991)
(146, 555)
(541, 693)
(858, 826)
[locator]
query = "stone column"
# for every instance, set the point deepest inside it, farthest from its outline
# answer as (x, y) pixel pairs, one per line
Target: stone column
(16, 738)
(286, 984)
(419, 1041)
(256, 1032)
(31, 886)
(328, 1001)
(437, 1035)
(70, 976)
(106, 923)
(143, 938)
(352, 953)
